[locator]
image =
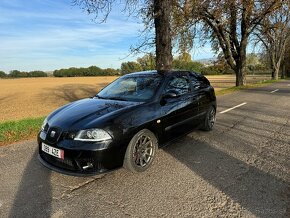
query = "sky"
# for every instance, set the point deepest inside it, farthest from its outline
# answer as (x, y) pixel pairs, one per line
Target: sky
(53, 34)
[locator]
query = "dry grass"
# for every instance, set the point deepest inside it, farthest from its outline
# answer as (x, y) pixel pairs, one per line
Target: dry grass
(36, 97)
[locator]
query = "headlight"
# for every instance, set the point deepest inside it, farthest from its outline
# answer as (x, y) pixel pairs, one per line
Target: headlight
(92, 135)
(43, 124)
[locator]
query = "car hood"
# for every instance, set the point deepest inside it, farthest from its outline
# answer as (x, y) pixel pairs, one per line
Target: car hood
(83, 113)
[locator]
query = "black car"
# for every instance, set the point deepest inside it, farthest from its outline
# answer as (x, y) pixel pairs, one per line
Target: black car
(126, 122)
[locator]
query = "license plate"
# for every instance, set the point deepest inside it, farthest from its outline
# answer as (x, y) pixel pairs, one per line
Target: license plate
(52, 151)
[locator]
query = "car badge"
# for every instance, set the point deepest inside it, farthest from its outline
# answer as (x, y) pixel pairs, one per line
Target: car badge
(52, 134)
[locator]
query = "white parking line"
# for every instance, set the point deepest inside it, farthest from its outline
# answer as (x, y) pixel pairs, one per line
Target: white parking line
(232, 108)
(276, 90)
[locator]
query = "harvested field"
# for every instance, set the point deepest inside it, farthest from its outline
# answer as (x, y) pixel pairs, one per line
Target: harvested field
(35, 97)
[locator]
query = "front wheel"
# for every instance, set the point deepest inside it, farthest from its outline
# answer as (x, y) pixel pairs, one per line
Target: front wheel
(141, 151)
(209, 120)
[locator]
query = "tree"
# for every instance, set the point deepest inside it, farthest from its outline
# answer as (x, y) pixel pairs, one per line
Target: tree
(157, 10)
(130, 67)
(286, 68)
(186, 57)
(162, 13)
(147, 62)
(274, 34)
(17, 74)
(187, 65)
(228, 25)
(2, 74)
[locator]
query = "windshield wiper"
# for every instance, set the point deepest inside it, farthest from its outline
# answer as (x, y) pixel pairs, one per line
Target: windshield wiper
(117, 99)
(100, 97)
(111, 98)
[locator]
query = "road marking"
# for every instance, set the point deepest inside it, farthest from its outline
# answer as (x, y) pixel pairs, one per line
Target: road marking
(289, 85)
(232, 108)
(276, 90)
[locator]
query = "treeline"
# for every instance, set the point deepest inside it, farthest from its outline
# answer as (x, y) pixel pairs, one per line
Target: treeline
(214, 69)
(89, 71)
(147, 62)
(256, 63)
(181, 62)
(22, 74)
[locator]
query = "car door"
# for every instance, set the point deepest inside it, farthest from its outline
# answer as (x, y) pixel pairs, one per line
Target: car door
(199, 88)
(177, 111)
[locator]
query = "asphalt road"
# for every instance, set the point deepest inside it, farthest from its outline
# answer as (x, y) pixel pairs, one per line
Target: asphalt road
(240, 169)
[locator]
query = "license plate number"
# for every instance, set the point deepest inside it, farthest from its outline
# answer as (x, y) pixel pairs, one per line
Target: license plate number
(52, 151)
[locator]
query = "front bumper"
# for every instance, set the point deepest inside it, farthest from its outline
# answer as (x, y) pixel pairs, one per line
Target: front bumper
(66, 172)
(82, 158)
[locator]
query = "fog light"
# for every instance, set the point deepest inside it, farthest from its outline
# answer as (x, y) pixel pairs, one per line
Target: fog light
(88, 166)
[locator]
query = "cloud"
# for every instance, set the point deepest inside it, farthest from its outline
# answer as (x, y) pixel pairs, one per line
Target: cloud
(33, 39)
(50, 34)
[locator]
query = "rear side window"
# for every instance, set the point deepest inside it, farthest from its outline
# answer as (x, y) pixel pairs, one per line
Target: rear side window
(198, 81)
(180, 84)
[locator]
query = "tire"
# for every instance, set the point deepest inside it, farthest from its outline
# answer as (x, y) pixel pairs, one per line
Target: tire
(141, 151)
(210, 119)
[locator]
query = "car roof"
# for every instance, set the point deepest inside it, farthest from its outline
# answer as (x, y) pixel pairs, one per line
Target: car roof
(164, 73)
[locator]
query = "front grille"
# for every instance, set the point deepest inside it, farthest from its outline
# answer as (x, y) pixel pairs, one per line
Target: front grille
(74, 161)
(65, 163)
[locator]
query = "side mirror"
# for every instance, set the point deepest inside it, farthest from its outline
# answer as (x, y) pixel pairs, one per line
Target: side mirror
(170, 94)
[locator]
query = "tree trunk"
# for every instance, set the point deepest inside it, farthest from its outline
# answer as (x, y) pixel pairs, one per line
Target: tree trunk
(275, 74)
(240, 69)
(240, 76)
(283, 75)
(276, 70)
(162, 14)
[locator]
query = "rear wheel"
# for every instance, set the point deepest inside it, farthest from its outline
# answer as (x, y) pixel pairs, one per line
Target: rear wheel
(209, 120)
(140, 151)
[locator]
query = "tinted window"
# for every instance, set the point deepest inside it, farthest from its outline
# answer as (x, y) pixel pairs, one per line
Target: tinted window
(179, 84)
(132, 88)
(194, 81)
(198, 81)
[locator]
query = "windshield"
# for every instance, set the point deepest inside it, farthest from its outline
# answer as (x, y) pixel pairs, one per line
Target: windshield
(132, 88)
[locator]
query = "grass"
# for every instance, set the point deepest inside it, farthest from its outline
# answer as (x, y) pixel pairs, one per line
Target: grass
(250, 86)
(13, 131)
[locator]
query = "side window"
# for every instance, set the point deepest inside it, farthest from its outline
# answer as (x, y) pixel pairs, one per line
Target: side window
(179, 84)
(194, 82)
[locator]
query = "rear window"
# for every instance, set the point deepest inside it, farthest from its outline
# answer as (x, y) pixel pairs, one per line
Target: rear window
(198, 80)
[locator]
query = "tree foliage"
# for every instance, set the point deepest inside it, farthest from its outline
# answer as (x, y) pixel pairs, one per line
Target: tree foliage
(147, 63)
(227, 25)
(23, 74)
(82, 71)
(2, 74)
(187, 65)
(274, 34)
(130, 67)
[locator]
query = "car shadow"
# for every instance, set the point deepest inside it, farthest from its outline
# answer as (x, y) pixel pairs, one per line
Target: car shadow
(258, 192)
(34, 195)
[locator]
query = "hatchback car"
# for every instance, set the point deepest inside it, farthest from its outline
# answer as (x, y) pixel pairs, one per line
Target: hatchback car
(126, 122)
